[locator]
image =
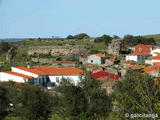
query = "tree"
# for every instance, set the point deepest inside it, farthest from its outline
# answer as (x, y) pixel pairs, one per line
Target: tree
(107, 39)
(135, 40)
(116, 37)
(81, 36)
(4, 102)
(138, 93)
(4, 46)
(36, 103)
(70, 37)
(83, 101)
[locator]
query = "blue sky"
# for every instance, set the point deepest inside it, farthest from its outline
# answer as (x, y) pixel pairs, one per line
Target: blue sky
(46, 18)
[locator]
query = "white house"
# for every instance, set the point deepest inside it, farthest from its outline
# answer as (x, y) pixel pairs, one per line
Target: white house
(96, 59)
(56, 74)
(41, 78)
(155, 59)
(131, 57)
(155, 52)
(44, 76)
(15, 77)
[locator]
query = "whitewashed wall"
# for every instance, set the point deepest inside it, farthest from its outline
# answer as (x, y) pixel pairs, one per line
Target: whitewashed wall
(9, 77)
(74, 78)
(155, 51)
(134, 58)
(23, 72)
(96, 59)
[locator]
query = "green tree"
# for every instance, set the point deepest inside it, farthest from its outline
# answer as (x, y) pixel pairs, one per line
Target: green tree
(138, 93)
(4, 102)
(81, 36)
(36, 103)
(83, 101)
(4, 46)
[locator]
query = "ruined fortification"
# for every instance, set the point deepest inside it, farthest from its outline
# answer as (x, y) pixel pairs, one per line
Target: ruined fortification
(58, 50)
(114, 47)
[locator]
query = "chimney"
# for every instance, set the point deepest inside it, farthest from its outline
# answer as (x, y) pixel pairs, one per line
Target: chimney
(28, 66)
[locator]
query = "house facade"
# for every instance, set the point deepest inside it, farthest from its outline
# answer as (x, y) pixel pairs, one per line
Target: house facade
(15, 77)
(142, 52)
(43, 76)
(96, 59)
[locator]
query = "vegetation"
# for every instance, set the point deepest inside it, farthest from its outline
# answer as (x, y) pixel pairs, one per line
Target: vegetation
(86, 101)
(138, 93)
(133, 41)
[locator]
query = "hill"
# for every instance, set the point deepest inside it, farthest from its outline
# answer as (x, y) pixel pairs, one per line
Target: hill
(155, 36)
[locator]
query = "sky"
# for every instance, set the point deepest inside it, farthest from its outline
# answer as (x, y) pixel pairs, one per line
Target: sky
(47, 18)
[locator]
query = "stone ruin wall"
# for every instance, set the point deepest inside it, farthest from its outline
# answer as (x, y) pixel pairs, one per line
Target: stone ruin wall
(114, 47)
(57, 50)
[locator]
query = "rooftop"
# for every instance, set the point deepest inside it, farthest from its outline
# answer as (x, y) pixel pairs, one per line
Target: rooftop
(18, 74)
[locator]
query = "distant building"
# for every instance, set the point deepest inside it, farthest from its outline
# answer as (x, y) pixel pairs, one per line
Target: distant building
(142, 52)
(108, 80)
(96, 59)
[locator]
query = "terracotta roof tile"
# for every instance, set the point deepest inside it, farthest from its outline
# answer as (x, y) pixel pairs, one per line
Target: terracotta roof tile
(60, 71)
(100, 55)
(139, 53)
(135, 67)
(35, 71)
(156, 57)
(103, 74)
(18, 74)
(155, 68)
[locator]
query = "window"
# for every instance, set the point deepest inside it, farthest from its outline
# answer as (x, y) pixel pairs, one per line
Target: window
(57, 79)
(140, 49)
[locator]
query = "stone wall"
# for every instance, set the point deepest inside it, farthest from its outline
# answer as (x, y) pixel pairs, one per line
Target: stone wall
(114, 47)
(57, 50)
(43, 60)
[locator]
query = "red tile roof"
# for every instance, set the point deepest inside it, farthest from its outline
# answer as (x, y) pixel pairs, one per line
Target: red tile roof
(35, 71)
(102, 74)
(139, 53)
(155, 68)
(60, 71)
(111, 59)
(144, 48)
(100, 55)
(135, 67)
(44, 70)
(156, 57)
(18, 74)
(156, 63)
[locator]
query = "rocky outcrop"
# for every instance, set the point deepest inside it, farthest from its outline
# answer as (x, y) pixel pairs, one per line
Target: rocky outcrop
(57, 50)
(9, 55)
(114, 47)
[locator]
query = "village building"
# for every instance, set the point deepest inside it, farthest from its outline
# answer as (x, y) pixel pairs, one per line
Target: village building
(153, 70)
(142, 52)
(108, 80)
(153, 59)
(15, 77)
(43, 76)
(97, 59)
